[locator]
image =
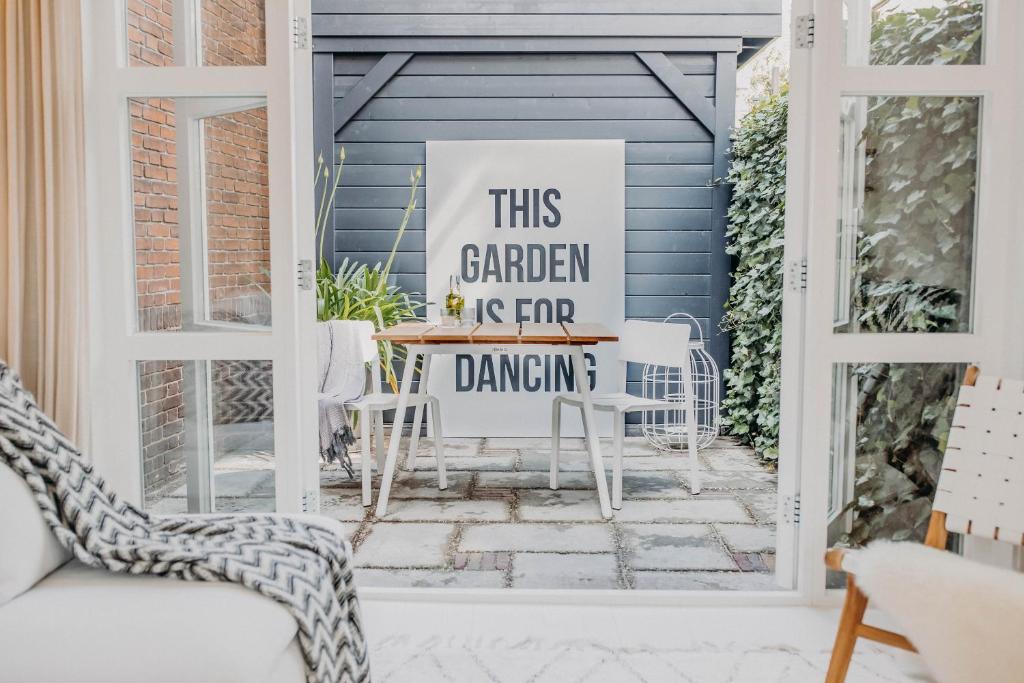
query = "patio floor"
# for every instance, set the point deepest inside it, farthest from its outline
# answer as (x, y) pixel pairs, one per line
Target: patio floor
(499, 526)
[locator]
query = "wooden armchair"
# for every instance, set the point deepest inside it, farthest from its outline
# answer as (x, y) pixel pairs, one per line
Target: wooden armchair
(978, 493)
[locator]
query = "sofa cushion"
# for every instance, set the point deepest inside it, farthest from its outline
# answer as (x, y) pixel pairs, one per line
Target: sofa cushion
(116, 627)
(28, 549)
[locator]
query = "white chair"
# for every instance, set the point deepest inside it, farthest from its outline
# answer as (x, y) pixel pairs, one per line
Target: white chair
(374, 403)
(665, 344)
(978, 494)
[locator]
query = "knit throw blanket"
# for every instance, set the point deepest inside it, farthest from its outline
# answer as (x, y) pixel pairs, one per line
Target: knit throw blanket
(303, 567)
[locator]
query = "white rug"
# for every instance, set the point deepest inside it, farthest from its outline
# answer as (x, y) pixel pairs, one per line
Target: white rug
(407, 659)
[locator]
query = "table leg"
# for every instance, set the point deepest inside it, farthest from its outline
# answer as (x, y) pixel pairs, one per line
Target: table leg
(396, 430)
(579, 369)
(418, 416)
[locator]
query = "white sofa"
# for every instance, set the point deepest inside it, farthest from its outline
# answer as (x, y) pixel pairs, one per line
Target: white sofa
(63, 621)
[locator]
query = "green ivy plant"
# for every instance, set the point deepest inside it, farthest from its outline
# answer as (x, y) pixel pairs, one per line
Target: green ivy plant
(913, 271)
(358, 291)
(753, 311)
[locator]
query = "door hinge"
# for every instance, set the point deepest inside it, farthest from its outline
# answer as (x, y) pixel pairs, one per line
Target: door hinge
(305, 274)
(803, 31)
(796, 275)
(300, 33)
(791, 509)
(311, 501)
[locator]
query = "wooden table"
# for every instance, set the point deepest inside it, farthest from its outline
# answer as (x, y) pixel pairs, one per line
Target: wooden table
(428, 339)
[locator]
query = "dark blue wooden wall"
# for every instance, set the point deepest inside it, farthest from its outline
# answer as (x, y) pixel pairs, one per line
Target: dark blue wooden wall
(521, 69)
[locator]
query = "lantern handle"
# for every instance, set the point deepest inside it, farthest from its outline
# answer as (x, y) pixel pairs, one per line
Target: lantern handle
(700, 332)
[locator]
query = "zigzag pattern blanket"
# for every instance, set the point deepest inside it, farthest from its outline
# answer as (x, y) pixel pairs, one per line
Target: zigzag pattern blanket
(303, 567)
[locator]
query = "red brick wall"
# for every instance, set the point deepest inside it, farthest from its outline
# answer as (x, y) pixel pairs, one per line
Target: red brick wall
(237, 214)
(234, 32)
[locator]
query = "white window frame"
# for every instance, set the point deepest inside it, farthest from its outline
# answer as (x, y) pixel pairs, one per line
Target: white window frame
(115, 345)
(990, 341)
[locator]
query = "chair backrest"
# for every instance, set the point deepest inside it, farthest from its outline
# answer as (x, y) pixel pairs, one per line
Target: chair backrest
(981, 486)
(363, 331)
(655, 343)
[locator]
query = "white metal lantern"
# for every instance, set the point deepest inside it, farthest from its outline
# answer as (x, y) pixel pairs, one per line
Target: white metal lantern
(666, 429)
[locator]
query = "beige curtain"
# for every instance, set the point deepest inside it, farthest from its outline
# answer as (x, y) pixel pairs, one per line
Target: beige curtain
(43, 287)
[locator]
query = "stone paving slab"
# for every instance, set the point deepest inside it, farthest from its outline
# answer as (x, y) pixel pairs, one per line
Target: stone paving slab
(579, 461)
(724, 581)
(396, 544)
(533, 480)
(562, 505)
(453, 446)
(342, 507)
(697, 509)
(565, 538)
(333, 477)
(447, 511)
(552, 570)
(731, 460)
(747, 538)
(764, 504)
(653, 484)
(675, 546)
(732, 481)
(568, 461)
(428, 578)
(499, 461)
(424, 485)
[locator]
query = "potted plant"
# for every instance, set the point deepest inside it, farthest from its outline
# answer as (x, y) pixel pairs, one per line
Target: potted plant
(357, 291)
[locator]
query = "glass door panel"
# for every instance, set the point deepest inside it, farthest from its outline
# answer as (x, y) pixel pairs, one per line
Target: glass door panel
(905, 243)
(207, 436)
(195, 32)
(203, 343)
(890, 425)
(908, 273)
(201, 208)
(911, 32)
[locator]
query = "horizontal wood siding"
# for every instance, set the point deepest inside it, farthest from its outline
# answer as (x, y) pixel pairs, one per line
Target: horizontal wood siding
(543, 69)
(668, 172)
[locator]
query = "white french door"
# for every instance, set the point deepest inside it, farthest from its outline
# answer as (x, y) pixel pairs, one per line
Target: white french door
(906, 217)
(200, 183)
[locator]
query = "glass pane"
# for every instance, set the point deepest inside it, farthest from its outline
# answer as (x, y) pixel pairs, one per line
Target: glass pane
(905, 237)
(229, 33)
(201, 207)
(905, 32)
(890, 424)
(207, 430)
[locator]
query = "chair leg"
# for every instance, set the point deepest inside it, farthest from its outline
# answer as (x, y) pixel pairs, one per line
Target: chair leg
(442, 472)
(414, 438)
(556, 438)
(620, 429)
(691, 429)
(379, 437)
(365, 461)
(846, 637)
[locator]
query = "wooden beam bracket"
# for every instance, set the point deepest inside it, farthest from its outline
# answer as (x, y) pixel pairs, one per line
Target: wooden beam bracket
(368, 86)
(677, 83)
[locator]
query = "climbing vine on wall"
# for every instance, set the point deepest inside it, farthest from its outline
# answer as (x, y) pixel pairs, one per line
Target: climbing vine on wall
(912, 274)
(753, 312)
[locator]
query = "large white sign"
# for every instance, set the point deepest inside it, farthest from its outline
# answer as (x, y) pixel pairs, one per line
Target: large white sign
(535, 230)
